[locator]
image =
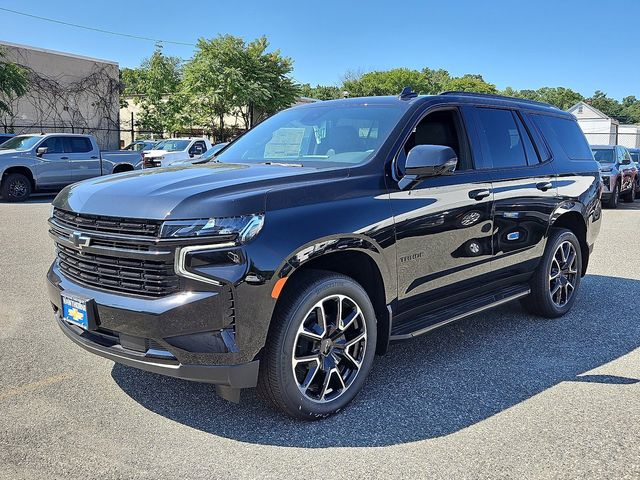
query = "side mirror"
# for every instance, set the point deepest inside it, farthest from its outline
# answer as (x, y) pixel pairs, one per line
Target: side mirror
(626, 161)
(41, 151)
(428, 161)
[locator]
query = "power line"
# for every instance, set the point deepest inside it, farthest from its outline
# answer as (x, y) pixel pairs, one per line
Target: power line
(100, 30)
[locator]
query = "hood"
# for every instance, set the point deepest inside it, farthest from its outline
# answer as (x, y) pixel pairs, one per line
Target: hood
(10, 152)
(185, 192)
(155, 153)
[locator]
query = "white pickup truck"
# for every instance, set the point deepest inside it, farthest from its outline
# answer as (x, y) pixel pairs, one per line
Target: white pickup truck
(174, 151)
(51, 161)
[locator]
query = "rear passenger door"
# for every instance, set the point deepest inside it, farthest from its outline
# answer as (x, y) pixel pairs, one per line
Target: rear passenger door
(524, 187)
(85, 161)
(53, 168)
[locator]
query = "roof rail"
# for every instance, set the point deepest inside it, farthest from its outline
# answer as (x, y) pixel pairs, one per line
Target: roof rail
(505, 97)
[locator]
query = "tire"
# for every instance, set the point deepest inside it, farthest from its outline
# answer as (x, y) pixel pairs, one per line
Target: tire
(630, 195)
(615, 196)
(315, 388)
(16, 187)
(542, 301)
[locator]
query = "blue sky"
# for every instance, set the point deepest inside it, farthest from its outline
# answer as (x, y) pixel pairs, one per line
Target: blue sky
(584, 45)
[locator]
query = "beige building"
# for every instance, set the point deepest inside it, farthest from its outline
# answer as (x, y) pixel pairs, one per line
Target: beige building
(67, 93)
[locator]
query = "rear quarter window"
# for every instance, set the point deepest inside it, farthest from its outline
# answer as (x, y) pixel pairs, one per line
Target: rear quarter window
(564, 134)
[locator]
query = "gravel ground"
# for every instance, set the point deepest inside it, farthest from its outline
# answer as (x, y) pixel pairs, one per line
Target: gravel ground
(501, 394)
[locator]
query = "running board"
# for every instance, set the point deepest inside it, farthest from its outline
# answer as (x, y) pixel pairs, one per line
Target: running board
(426, 322)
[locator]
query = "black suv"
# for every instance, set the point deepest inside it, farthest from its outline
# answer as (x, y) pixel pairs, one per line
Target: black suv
(323, 234)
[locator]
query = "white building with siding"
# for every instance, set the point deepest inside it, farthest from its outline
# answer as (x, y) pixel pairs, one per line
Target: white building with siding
(600, 129)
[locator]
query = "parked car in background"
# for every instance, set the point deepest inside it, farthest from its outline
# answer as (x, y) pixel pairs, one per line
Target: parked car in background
(6, 136)
(321, 235)
(174, 150)
(206, 157)
(618, 172)
(635, 158)
(141, 145)
(51, 161)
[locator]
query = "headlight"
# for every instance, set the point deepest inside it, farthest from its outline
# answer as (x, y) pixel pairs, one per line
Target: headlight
(237, 229)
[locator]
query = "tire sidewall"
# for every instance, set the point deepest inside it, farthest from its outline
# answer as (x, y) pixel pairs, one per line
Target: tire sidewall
(555, 241)
(5, 187)
(326, 287)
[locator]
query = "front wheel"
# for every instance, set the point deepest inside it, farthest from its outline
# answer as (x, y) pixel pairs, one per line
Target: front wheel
(16, 187)
(320, 346)
(630, 195)
(615, 196)
(556, 280)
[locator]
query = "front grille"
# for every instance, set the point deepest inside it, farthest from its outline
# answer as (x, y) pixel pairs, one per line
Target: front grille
(114, 225)
(127, 275)
(151, 162)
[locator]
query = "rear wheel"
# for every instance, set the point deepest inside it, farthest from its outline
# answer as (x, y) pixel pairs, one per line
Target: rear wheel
(615, 197)
(16, 187)
(557, 278)
(320, 346)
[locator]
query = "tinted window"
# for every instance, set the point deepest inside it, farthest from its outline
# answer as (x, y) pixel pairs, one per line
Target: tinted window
(53, 144)
(501, 140)
(566, 134)
(77, 145)
(532, 155)
(635, 156)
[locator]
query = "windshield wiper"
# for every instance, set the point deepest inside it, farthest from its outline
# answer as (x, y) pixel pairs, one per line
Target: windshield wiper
(283, 164)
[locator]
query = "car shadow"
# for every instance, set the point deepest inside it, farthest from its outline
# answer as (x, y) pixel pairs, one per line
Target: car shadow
(629, 206)
(431, 386)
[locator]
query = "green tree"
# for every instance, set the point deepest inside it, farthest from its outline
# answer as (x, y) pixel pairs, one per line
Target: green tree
(608, 106)
(561, 97)
(436, 80)
(155, 86)
(388, 82)
(228, 76)
(321, 92)
(471, 83)
(13, 82)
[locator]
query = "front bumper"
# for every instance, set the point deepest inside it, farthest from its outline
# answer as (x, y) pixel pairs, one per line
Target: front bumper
(234, 376)
(174, 335)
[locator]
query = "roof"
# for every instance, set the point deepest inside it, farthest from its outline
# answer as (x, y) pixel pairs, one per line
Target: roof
(55, 52)
(447, 97)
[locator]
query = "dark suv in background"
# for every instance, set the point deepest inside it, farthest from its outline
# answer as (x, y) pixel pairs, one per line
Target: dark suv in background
(619, 174)
(323, 234)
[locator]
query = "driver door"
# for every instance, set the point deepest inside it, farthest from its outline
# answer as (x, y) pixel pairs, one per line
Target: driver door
(53, 167)
(443, 224)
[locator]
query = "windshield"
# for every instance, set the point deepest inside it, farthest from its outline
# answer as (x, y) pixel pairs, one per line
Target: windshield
(603, 155)
(172, 145)
(209, 154)
(20, 143)
(322, 135)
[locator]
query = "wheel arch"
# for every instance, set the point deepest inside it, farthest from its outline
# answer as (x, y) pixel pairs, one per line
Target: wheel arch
(26, 171)
(573, 219)
(122, 167)
(364, 265)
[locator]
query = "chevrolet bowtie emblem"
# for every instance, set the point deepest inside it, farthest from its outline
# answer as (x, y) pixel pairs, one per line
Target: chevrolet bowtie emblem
(75, 314)
(79, 240)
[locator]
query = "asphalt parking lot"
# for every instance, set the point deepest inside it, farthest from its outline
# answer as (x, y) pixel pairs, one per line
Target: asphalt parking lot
(501, 394)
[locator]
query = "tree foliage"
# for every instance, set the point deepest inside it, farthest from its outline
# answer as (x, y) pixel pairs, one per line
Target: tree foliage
(321, 92)
(228, 76)
(13, 82)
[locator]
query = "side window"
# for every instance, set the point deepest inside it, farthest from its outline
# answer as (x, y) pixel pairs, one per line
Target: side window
(77, 145)
(501, 141)
(443, 127)
(627, 156)
(197, 147)
(532, 154)
(53, 144)
(564, 134)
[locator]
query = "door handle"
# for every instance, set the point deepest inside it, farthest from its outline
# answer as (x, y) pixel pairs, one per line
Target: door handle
(544, 186)
(94, 157)
(479, 194)
(64, 158)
